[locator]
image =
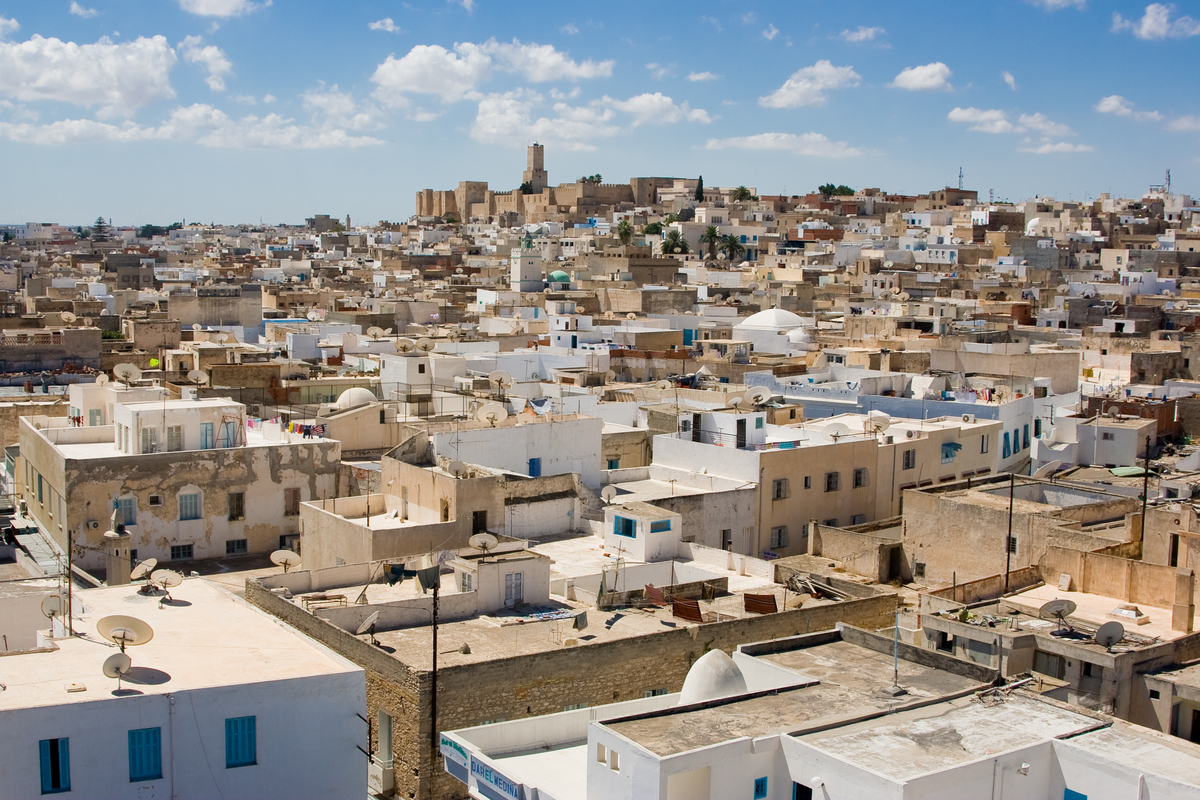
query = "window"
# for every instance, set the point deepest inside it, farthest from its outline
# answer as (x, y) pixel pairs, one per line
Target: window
(514, 591)
(830, 523)
(174, 438)
(156, 499)
(758, 423)
(385, 737)
(909, 459)
(614, 761)
(858, 519)
(1154, 694)
(860, 477)
(535, 468)
(601, 754)
(614, 463)
(660, 526)
(1025, 437)
(229, 434)
(291, 503)
(95, 417)
(56, 765)
(236, 547)
(574, 706)
(1048, 664)
(206, 436)
(1012, 545)
(240, 746)
(465, 580)
(726, 539)
(1089, 669)
(1071, 794)
(779, 489)
(1105, 435)
(659, 692)
(1007, 452)
(181, 552)
(623, 526)
(39, 488)
(760, 788)
(949, 451)
(945, 642)
(145, 754)
(149, 440)
(833, 481)
(128, 509)
(420, 369)
(807, 482)
(237, 505)
(189, 506)
(779, 537)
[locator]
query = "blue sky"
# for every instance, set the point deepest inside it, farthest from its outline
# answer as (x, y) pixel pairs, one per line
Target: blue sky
(235, 110)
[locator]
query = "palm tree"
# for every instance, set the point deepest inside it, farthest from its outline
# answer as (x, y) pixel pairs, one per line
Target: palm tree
(625, 232)
(741, 194)
(674, 243)
(732, 247)
(712, 238)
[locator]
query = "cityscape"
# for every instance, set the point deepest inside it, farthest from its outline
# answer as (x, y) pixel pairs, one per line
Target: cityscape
(821, 421)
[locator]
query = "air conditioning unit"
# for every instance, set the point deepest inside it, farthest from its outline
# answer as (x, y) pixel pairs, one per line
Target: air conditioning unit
(92, 524)
(910, 434)
(968, 418)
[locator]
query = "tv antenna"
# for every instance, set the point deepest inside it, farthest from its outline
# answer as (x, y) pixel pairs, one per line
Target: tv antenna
(759, 396)
(166, 579)
(608, 493)
(1058, 610)
(116, 665)
(142, 570)
(491, 413)
(127, 372)
(286, 559)
(368, 626)
(835, 431)
(198, 377)
(1109, 634)
(484, 541)
(124, 631)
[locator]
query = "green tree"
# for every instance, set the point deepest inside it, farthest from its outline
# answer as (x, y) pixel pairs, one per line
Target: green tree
(8, 237)
(741, 194)
(732, 247)
(625, 232)
(711, 237)
(526, 188)
(670, 218)
(653, 229)
(700, 189)
(829, 190)
(100, 232)
(674, 243)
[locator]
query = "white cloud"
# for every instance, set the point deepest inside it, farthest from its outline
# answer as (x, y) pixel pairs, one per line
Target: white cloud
(1119, 106)
(862, 34)
(334, 109)
(119, 78)
(1156, 23)
(749, 17)
(507, 119)
(987, 120)
(421, 115)
(8, 26)
(1040, 123)
(1056, 5)
(714, 23)
(555, 94)
(211, 57)
(244, 99)
(930, 77)
(384, 24)
(469, 5)
(1010, 80)
(659, 70)
(657, 109)
(80, 11)
(808, 85)
(702, 76)
(542, 63)
(200, 123)
(220, 8)
(1046, 148)
(805, 144)
(1188, 123)
(771, 32)
(569, 28)
(268, 98)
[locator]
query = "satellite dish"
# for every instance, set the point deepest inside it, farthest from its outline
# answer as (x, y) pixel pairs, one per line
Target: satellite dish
(491, 413)
(196, 326)
(198, 376)
(404, 345)
(88, 321)
(888, 264)
(368, 624)
(1109, 634)
(483, 541)
(835, 431)
(609, 375)
(124, 631)
(67, 317)
(663, 385)
(166, 578)
(1047, 470)
(1058, 610)
(517, 314)
(1063, 288)
(456, 468)
(101, 379)
(313, 315)
(374, 332)
(631, 315)
(758, 395)
(500, 379)
(876, 422)
(127, 372)
(53, 606)
(736, 401)
(286, 559)
(117, 665)
(425, 345)
(143, 569)
(608, 493)
(904, 297)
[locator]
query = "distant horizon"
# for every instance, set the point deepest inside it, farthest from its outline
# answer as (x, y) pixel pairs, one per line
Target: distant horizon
(162, 110)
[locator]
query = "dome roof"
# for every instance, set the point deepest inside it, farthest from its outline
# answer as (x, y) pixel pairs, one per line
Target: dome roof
(355, 396)
(772, 318)
(558, 276)
(713, 676)
(799, 335)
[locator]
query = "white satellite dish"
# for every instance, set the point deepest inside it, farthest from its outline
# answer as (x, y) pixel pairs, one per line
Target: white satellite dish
(609, 375)
(1058, 610)
(404, 345)
(196, 326)
(631, 315)
(1047, 470)
(758, 395)
(664, 385)
(313, 315)
(286, 559)
(500, 379)
(736, 401)
(456, 468)
(166, 578)
(904, 297)
(53, 606)
(124, 631)
(143, 569)
(491, 413)
(67, 317)
(101, 379)
(1063, 288)
(425, 345)
(127, 372)
(198, 376)
(483, 541)
(835, 431)
(374, 332)
(517, 314)
(117, 665)
(1109, 634)
(608, 493)
(368, 625)
(888, 264)
(877, 422)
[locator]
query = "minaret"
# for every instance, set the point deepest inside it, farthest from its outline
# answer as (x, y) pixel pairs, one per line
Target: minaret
(535, 173)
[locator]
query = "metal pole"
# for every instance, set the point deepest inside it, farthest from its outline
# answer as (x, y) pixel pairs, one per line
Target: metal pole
(1145, 487)
(1012, 479)
(896, 650)
(433, 727)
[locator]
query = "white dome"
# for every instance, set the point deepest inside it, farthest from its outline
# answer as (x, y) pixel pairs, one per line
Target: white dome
(799, 335)
(714, 675)
(355, 396)
(773, 319)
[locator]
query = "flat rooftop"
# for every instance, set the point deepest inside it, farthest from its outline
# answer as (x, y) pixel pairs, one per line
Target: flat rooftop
(1092, 610)
(206, 638)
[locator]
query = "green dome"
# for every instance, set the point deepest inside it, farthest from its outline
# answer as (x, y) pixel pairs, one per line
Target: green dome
(558, 276)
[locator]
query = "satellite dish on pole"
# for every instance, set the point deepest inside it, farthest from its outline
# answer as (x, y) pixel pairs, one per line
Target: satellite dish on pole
(368, 626)
(375, 332)
(759, 395)
(124, 631)
(456, 468)
(1047, 470)
(663, 385)
(127, 372)
(116, 665)
(608, 493)
(484, 541)
(405, 345)
(1058, 610)
(425, 345)
(198, 377)
(67, 317)
(101, 379)
(313, 315)
(835, 431)
(143, 569)
(1109, 634)
(491, 413)
(53, 606)
(877, 422)
(286, 559)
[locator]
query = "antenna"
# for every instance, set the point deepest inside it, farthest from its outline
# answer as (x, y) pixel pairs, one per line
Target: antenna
(124, 631)
(835, 431)
(876, 422)
(405, 345)
(483, 541)
(167, 579)
(425, 345)
(101, 379)
(375, 332)
(196, 326)
(198, 377)
(313, 315)
(286, 559)
(1109, 634)
(368, 626)
(608, 493)
(456, 468)
(143, 569)
(1048, 469)
(127, 372)
(53, 606)
(67, 317)
(1058, 610)
(491, 413)
(759, 395)
(116, 665)
(663, 385)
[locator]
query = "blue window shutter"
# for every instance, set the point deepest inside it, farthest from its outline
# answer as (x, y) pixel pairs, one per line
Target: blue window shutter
(240, 747)
(1007, 446)
(145, 754)
(535, 468)
(64, 765)
(44, 752)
